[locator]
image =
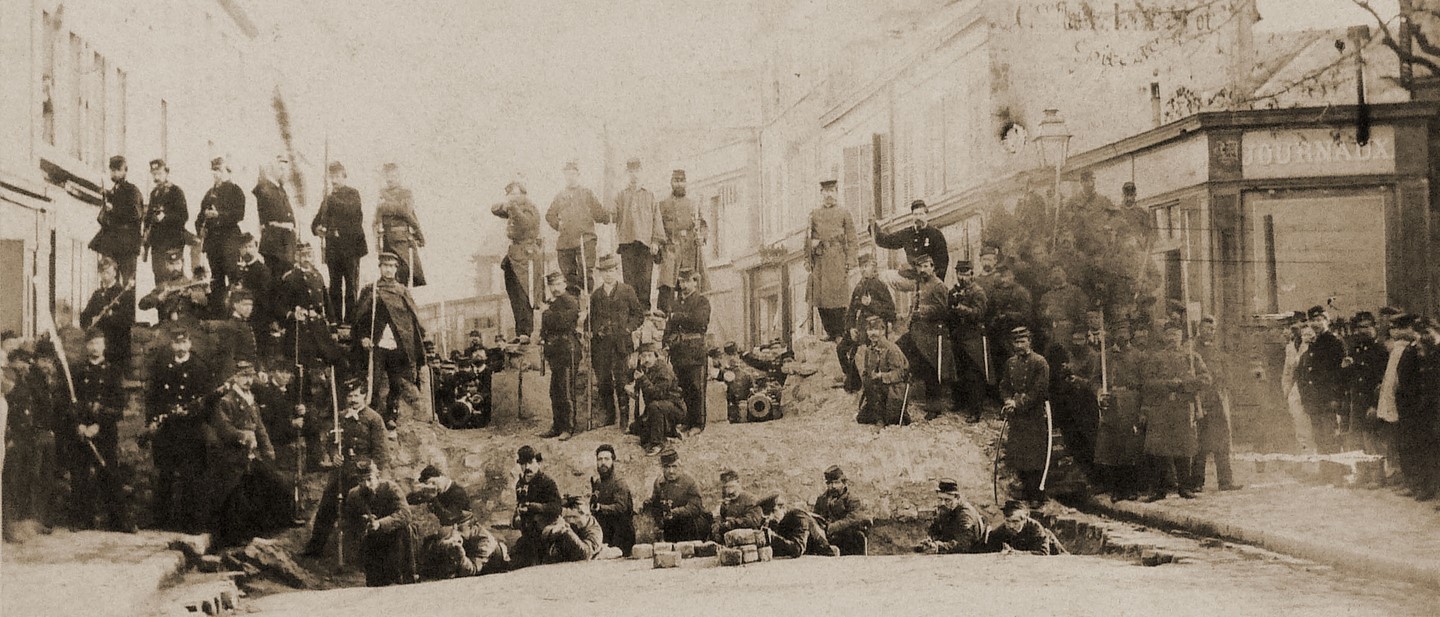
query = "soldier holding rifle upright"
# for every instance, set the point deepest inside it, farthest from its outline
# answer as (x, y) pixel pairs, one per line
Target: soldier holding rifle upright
(218, 225)
(362, 438)
(120, 220)
(178, 387)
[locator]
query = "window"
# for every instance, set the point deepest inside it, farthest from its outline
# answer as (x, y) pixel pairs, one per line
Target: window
(713, 237)
(858, 182)
(884, 199)
(935, 150)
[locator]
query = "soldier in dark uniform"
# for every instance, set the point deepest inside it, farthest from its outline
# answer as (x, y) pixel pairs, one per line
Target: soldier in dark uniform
(179, 385)
(611, 502)
(250, 498)
(537, 504)
(94, 438)
(1320, 381)
(362, 438)
(165, 218)
(1075, 409)
(1173, 377)
(30, 427)
(236, 334)
(562, 351)
(830, 254)
(675, 503)
(968, 306)
(120, 221)
(111, 310)
(301, 302)
(218, 224)
(1212, 426)
(387, 324)
(871, 297)
(958, 526)
(663, 404)
(684, 234)
(522, 262)
(793, 532)
(842, 515)
(340, 225)
(1011, 304)
(685, 339)
(918, 239)
(176, 297)
(615, 312)
(574, 213)
(1062, 304)
(283, 407)
(375, 512)
(1022, 534)
(1365, 371)
(738, 510)
(884, 377)
(639, 232)
(574, 536)
(277, 219)
(1025, 389)
(252, 274)
(1119, 441)
(398, 228)
(927, 344)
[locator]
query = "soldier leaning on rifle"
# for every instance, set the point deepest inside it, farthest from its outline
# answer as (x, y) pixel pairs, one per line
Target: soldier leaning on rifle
(639, 232)
(685, 339)
(927, 344)
(179, 387)
(842, 514)
(362, 438)
(793, 532)
(738, 509)
(573, 213)
(111, 310)
(958, 526)
(283, 409)
(537, 504)
(684, 232)
(218, 223)
(611, 501)
(562, 351)
(615, 312)
(676, 504)
(664, 406)
(376, 513)
(340, 225)
(98, 408)
(871, 297)
(884, 377)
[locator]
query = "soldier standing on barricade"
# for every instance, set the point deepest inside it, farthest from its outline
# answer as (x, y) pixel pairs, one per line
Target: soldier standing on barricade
(884, 377)
(968, 304)
(523, 260)
(927, 344)
(639, 232)
(1173, 377)
(164, 219)
(683, 236)
(574, 213)
(361, 438)
(277, 218)
(176, 297)
(218, 226)
(120, 221)
(94, 451)
(387, 324)
(871, 297)
(179, 386)
(829, 257)
(685, 340)
(340, 225)
(562, 350)
(251, 274)
(1025, 388)
(615, 313)
(398, 228)
(111, 310)
(920, 238)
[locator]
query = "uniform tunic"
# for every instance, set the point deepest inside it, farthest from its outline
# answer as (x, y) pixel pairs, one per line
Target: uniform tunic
(678, 509)
(830, 248)
(277, 222)
(388, 552)
(1032, 538)
(574, 213)
(1119, 441)
(119, 235)
(930, 331)
(344, 221)
(739, 512)
(614, 508)
(679, 218)
(522, 279)
(111, 310)
(179, 447)
(884, 375)
(958, 530)
(925, 241)
(1167, 397)
(1027, 383)
(562, 351)
(845, 521)
(871, 297)
(222, 233)
(797, 534)
(166, 216)
(400, 231)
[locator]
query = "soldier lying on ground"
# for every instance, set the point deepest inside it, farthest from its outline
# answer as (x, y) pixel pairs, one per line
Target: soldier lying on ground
(793, 532)
(573, 536)
(1022, 534)
(467, 548)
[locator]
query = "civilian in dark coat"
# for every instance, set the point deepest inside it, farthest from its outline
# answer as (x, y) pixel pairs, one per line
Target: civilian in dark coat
(218, 222)
(792, 532)
(340, 225)
(611, 502)
(120, 219)
(277, 218)
(537, 505)
(165, 218)
(615, 312)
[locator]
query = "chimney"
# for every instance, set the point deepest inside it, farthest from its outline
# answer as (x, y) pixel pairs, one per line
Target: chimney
(1243, 59)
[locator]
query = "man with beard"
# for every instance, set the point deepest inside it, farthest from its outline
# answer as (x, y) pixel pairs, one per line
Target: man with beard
(250, 499)
(340, 225)
(94, 451)
(792, 532)
(120, 221)
(884, 378)
(958, 526)
(920, 238)
(675, 503)
(927, 344)
(842, 515)
(178, 385)
(871, 297)
(611, 502)
(388, 326)
(537, 505)
(685, 340)
(522, 227)
(664, 405)
(111, 310)
(218, 224)
(639, 232)
(968, 304)
(375, 511)
(683, 233)
(830, 255)
(574, 213)
(165, 218)
(362, 440)
(615, 313)
(1025, 388)
(562, 351)
(738, 509)
(398, 228)
(277, 218)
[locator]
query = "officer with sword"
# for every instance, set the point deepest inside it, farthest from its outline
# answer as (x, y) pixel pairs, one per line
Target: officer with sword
(1025, 388)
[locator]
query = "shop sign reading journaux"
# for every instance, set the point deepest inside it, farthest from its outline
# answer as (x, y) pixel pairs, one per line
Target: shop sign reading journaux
(1292, 153)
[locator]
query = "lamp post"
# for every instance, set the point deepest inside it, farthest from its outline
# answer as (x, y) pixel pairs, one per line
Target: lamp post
(1054, 142)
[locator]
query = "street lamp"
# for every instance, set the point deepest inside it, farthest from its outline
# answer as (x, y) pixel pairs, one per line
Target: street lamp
(1054, 142)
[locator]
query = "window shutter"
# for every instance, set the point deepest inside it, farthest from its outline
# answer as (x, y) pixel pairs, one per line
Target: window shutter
(881, 172)
(850, 196)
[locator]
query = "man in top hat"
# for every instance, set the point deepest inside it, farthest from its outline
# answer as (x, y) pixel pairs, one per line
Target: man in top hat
(842, 515)
(920, 238)
(884, 377)
(120, 219)
(111, 310)
(615, 313)
(178, 386)
(870, 297)
(1173, 378)
(738, 510)
(537, 504)
(639, 232)
(676, 504)
(93, 418)
(958, 526)
(376, 513)
(390, 329)
(685, 338)
(1320, 379)
(829, 256)
(611, 502)
(927, 344)
(165, 218)
(562, 351)
(520, 267)
(1022, 534)
(684, 232)
(663, 402)
(574, 213)
(1025, 388)
(250, 498)
(176, 297)
(277, 219)
(303, 307)
(968, 304)
(340, 225)
(218, 226)
(362, 439)
(398, 228)
(793, 532)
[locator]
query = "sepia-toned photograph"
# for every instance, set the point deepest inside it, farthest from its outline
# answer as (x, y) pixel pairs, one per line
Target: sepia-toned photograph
(348, 308)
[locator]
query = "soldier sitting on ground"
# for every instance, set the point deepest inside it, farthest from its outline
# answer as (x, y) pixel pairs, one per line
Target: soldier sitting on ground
(842, 515)
(793, 532)
(958, 526)
(676, 504)
(375, 512)
(738, 509)
(1022, 534)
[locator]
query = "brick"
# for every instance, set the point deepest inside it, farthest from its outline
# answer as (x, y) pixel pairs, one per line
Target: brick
(661, 547)
(708, 549)
(667, 559)
(765, 553)
(730, 556)
(686, 549)
(642, 551)
(750, 553)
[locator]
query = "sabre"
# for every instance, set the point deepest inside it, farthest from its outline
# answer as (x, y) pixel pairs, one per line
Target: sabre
(995, 468)
(1104, 365)
(939, 358)
(904, 403)
(95, 452)
(1049, 445)
(985, 351)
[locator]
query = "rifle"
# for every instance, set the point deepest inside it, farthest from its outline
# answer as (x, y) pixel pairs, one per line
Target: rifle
(114, 302)
(300, 439)
(585, 344)
(340, 481)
